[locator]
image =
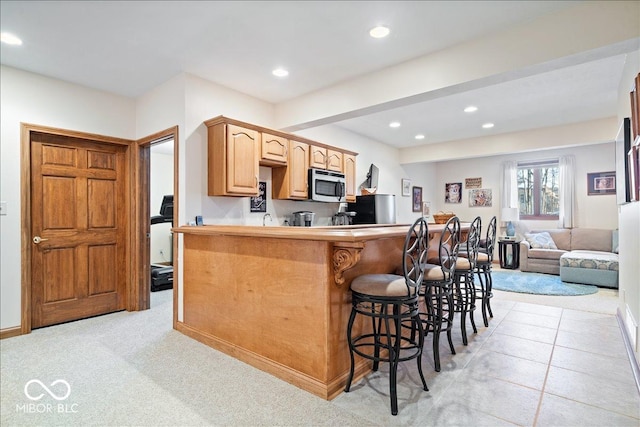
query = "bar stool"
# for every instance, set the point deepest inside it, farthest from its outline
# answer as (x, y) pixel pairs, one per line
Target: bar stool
(390, 300)
(483, 269)
(437, 288)
(464, 287)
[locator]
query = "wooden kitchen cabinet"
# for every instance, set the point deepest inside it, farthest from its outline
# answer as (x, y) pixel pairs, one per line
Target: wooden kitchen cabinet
(291, 182)
(334, 161)
(318, 157)
(236, 149)
(274, 150)
(325, 158)
(349, 167)
(233, 160)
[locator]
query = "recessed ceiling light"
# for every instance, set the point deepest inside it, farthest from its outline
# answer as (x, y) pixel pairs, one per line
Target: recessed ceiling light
(420, 136)
(379, 32)
(471, 109)
(487, 125)
(280, 72)
(394, 124)
(9, 38)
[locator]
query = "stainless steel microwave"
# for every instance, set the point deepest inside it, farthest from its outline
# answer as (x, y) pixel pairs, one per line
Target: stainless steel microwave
(326, 186)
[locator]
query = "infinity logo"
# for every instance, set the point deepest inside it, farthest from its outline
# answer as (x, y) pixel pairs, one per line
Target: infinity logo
(52, 394)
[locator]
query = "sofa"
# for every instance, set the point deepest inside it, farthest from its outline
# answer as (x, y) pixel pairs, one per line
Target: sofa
(578, 255)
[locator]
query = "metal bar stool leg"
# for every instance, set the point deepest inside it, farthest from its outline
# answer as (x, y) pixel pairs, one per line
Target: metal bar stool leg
(352, 318)
(471, 300)
(394, 355)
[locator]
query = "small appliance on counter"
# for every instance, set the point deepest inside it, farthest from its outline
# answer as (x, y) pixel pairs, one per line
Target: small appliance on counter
(343, 218)
(374, 209)
(303, 218)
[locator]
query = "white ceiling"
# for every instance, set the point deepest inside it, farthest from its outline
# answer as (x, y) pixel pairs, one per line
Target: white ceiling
(130, 47)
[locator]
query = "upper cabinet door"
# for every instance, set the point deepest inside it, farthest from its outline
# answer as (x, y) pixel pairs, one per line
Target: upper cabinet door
(243, 146)
(299, 167)
(349, 162)
(291, 182)
(318, 158)
(334, 161)
(274, 150)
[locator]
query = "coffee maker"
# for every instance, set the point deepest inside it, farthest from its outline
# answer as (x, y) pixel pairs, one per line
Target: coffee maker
(303, 218)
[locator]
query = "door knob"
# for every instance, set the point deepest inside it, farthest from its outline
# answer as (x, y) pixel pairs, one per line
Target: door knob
(38, 239)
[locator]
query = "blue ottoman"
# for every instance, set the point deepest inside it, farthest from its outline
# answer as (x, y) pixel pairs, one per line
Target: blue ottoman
(590, 268)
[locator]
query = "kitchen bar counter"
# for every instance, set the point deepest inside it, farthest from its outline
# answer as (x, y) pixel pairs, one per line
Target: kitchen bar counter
(278, 298)
(333, 233)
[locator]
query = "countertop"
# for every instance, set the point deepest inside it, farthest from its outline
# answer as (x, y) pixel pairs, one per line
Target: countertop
(337, 233)
(343, 233)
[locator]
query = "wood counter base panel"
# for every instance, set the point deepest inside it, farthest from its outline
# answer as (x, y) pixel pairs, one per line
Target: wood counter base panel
(304, 382)
(274, 302)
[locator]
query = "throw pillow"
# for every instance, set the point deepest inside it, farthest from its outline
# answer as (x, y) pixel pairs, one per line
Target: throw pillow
(614, 242)
(541, 240)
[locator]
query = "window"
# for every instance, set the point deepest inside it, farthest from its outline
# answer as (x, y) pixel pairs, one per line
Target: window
(539, 190)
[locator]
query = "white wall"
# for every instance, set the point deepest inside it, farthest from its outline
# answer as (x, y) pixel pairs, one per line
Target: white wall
(629, 296)
(205, 100)
(591, 211)
(30, 98)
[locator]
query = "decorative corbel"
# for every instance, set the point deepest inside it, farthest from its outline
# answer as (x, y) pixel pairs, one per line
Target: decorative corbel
(345, 256)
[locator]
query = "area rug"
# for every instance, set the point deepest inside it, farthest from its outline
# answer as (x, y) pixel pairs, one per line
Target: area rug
(537, 283)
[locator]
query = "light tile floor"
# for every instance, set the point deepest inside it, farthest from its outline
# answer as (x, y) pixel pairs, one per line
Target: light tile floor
(535, 365)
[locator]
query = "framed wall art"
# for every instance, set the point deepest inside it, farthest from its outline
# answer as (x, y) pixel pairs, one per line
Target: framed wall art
(417, 199)
(601, 183)
(406, 187)
(634, 170)
(473, 183)
(259, 203)
(453, 192)
(623, 145)
(480, 198)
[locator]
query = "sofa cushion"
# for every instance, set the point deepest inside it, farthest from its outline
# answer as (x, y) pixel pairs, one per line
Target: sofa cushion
(591, 239)
(614, 241)
(546, 253)
(561, 237)
(541, 240)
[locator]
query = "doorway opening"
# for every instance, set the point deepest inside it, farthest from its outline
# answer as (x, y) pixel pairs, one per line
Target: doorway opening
(157, 168)
(161, 202)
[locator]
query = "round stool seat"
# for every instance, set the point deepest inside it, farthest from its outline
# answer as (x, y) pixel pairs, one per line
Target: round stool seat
(482, 256)
(382, 285)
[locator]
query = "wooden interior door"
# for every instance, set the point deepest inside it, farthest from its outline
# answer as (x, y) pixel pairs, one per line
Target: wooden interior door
(79, 228)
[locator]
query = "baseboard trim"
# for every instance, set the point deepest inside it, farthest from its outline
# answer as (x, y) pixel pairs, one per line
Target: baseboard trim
(635, 366)
(10, 332)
